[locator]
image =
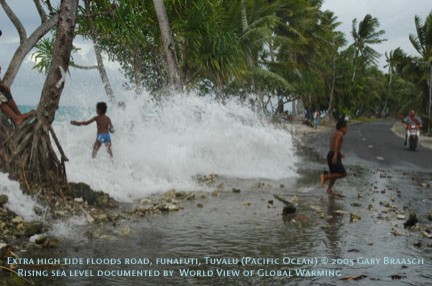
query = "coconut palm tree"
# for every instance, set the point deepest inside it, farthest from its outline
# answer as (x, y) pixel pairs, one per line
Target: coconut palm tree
(365, 35)
(168, 44)
(422, 42)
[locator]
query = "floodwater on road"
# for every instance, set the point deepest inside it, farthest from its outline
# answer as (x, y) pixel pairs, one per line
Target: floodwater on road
(240, 237)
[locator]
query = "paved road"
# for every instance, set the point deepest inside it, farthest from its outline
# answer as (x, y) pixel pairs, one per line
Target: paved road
(376, 143)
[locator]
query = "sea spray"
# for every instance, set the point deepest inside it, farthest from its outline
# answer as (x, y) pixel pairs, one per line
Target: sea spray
(163, 145)
(18, 202)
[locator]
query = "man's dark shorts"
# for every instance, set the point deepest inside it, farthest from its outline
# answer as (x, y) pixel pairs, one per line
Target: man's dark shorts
(338, 167)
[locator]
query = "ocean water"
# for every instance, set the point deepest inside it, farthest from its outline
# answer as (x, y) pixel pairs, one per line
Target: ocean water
(158, 146)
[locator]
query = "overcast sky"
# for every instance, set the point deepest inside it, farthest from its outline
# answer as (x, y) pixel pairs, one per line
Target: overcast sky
(396, 17)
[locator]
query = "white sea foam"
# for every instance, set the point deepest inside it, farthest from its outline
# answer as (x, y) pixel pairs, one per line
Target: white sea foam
(161, 146)
(19, 203)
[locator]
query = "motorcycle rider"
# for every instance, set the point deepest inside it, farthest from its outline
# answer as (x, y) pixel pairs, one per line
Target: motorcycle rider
(411, 119)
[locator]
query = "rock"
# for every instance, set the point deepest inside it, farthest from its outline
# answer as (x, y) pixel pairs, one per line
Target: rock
(400, 216)
(271, 206)
(32, 228)
(5, 251)
(289, 209)
(51, 243)
(126, 230)
(93, 198)
(89, 218)
(170, 207)
(99, 215)
(3, 200)
(412, 220)
(354, 217)
(171, 194)
(424, 185)
(317, 209)
(41, 240)
(426, 234)
(17, 220)
(340, 212)
(397, 277)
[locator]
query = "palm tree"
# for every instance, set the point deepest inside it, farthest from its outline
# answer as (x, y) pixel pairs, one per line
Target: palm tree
(422, 42)
(168, 44)
(364, 36)
(211, 53)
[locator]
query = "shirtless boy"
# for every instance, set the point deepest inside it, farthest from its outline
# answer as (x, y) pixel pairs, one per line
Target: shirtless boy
(104, 128)
(334, 157)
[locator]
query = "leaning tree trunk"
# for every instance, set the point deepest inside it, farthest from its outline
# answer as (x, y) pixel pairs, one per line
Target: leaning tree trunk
(26, 43)
(27, 154)
(245, 27)
(168, 43)
(332, 88)
(98, 52)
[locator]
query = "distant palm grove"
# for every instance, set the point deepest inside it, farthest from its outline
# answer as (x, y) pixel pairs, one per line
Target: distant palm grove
(290, 49)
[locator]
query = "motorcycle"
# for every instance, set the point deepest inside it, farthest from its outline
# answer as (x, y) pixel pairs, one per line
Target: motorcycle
(413, 137)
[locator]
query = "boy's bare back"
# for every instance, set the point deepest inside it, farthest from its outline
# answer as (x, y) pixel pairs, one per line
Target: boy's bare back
(103, 124)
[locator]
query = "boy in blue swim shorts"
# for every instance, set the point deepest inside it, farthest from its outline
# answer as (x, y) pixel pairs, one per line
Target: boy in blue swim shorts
(104, 128)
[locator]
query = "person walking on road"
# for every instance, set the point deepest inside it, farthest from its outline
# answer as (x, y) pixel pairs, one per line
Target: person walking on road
(334, 157)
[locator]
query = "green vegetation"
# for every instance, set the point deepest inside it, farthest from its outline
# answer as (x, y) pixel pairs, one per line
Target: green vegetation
(272, 48)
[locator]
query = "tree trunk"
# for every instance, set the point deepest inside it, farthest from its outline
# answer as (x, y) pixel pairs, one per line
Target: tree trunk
(168, 43)
(383, 111)
(98, 52)
(245, 27)
(138, 78)
(27, 154)
(332, 88)
(26, 44)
